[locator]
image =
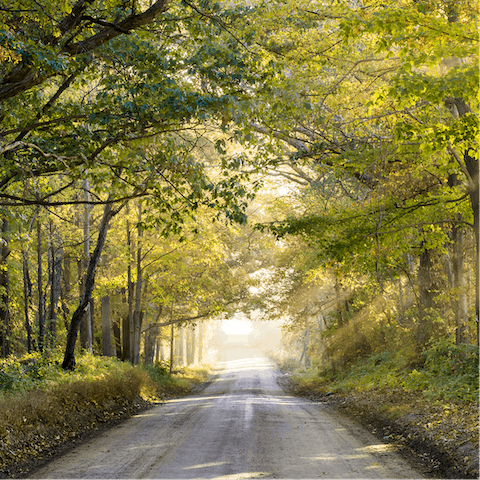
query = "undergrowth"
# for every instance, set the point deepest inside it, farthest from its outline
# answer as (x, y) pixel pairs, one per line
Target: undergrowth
(41, 405)
(448, 372)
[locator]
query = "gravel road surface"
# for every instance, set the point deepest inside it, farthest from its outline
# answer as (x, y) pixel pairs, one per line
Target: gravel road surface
(243, 425)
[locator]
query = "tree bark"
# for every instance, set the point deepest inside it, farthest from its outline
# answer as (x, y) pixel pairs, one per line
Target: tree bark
(69, 357)
(130, 299)
(182, 344)
(200, 342)
(106, 338)
(125, 329)
(427, 292)
(321, 321)
(4, 292)
(172, 345)
(86, 333)
(137, 316)
(56, 260)
(65, 290)
(150, 345)
(459, 286)
(41, 298)
(27, 299)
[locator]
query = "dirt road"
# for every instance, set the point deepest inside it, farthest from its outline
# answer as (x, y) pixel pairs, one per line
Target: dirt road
(241, 426)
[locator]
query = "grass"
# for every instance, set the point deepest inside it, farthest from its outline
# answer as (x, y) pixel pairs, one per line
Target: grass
(41, 405)
(448, 372)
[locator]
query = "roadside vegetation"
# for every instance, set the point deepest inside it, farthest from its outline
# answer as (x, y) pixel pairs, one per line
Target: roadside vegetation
(43, 407)
(449, 373)
(165, 164)
(428, 409)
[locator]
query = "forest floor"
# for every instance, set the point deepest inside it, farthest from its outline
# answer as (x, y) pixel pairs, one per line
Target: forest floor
(440, 437)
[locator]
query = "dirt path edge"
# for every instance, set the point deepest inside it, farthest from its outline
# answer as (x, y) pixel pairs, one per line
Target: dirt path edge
(92, 423)
(419, 433)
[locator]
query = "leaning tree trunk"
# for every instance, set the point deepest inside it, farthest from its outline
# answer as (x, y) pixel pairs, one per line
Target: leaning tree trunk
(69, 357)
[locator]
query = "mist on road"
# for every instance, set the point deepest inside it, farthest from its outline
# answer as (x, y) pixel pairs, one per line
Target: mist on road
(243, 425)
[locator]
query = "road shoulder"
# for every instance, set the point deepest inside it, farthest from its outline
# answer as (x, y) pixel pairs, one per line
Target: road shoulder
(442, 441)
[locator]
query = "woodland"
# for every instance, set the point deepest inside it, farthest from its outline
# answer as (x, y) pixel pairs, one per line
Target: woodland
(168, 162)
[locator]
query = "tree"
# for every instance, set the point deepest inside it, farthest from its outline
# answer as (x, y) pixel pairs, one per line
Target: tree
(119, 97)
(4, 292)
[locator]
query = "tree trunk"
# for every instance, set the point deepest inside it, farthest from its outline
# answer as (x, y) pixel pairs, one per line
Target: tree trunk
(125, 329)
(65, 291)
(459, 108)
(150, 344)
(4, 292)
(338, 303)
(460, 292)
(193, 346)
(305, 356)
(321, 321)
(172, 346)
(427, 293)
(69, 358)
(130, 299)
(56, 260)
(117, 347)
(86, 333)
(137, 316)
(472, 168)
(200, 342)
(41, 298)
(181, 344)
(27, 300)
(106, 339)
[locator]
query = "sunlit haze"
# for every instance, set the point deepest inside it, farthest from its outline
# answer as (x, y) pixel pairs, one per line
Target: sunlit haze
(235, 326)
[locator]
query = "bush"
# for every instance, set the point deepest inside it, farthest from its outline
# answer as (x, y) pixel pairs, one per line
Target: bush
(450, 372)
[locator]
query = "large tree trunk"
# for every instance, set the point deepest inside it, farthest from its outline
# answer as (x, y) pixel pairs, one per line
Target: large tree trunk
(460, 108)
(472, 168)
(69, 358)
(4, 292)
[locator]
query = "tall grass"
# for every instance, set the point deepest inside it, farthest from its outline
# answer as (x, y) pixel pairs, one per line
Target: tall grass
(41, 405)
